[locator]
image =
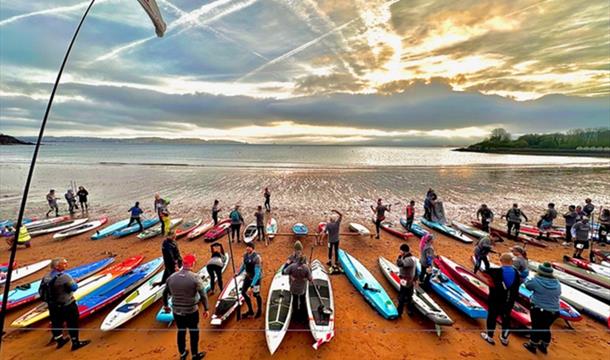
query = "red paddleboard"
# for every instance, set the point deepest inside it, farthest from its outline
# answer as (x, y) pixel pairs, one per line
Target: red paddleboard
(217, 231)
(187, 226)
(395, 230)
(502, 233)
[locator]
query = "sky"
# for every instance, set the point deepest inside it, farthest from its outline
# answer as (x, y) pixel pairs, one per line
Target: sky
(410, 72)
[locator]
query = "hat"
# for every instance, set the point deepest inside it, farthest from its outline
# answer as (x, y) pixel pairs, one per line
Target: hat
(189, 260)
(404, 248)
(250, 244)
(545, 270)
(298, 246)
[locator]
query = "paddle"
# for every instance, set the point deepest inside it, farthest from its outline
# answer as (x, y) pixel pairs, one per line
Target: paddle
(321, 308)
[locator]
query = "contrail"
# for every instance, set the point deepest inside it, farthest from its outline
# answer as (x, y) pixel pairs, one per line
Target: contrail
(122, 48)
(56, 10)
(297, 50)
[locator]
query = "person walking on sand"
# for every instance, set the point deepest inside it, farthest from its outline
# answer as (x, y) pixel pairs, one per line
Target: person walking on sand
(544, 309)
(159, 206)
(82, 198)
(407, 269)
(581, 230)
(57, 290)
(604, 226)
(267, 195)
(187, 291)
(252, 266)
(135, 212)
(332, 229)
(71, 200)
(486, 216)
(260, 223)
(410, 214)
(483, 248)
(215, 210)
(52, 201)
(513, 220)
(502, 295)
(236, 221)
(215, 265)
(300, 275)
(426, 257)
(171, 257)
(570, 217)
(520, 261)
(545, 224)
(379, 212)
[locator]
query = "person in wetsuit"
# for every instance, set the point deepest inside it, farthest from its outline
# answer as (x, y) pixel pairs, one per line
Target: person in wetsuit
(252, 266)
(379, 212)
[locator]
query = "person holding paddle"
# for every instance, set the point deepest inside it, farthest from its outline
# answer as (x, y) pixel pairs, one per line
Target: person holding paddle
(407, 265)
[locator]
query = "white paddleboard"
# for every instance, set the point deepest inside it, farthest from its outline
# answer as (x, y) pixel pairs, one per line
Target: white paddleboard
(21, 272)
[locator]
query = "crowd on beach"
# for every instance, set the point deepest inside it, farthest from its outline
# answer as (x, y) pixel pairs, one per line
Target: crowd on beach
(186, 288)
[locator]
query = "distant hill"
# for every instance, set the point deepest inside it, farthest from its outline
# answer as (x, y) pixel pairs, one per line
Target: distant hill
(9, 140)
(135, 141)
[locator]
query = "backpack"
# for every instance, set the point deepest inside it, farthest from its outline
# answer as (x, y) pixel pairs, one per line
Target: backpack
(46, 290)
(234, 216)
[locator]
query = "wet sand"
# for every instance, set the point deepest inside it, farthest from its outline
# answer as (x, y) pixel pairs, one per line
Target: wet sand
(360, 332)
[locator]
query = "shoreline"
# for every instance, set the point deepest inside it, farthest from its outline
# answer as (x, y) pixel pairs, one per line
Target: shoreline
(536, 152)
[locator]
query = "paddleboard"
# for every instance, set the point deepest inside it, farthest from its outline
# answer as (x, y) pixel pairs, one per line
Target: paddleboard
(472, 231)
(522, 237)
(200, 230)
(279, 310)
(77, 230)
(456, 296)
(229, 299)
(577, 283)
(134, 228)
(359, 228)
(393, 229)
(449, 231)
(11, 223)
(39, 224)
(299, 229)
(23, 271)
(367, 285)
(156, 230)
(250, 233)
(59, 227)
(583, 264)
(217, 231)
(110, 229)
(416, 229)
(271, 228)
(187, 226)
(587, 275)
(320, 305)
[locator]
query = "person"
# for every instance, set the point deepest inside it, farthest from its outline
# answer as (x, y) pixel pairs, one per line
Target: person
(300, 275)
(486, 216)
(320, 233)
(428, 204)
(71, 200)
(426, 257)
(379, 212)
(267, 195)
(502, 295)
(24, 237)
(545, 224)
(410, 214)
(252, 266)
(513, 219)
(215, 265)
(159, 206)
(588, 208)
(520, 261)
(604, 226)
(136, 212)
(544, 309)
(187, 291)
(215, 210)
(236, 221)
(57, 290)
(407, 269)
(571, 217)
(52, 201)
(260, 223)
(483, 247)
(296, 255)
(166, 221)
(82, 198)
(581, 231)
(171, 257)
(580, 212)
(332, 229)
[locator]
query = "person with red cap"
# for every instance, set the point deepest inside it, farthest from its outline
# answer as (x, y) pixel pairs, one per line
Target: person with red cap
(187, 291)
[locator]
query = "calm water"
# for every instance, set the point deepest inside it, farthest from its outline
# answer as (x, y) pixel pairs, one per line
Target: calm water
(304, 179)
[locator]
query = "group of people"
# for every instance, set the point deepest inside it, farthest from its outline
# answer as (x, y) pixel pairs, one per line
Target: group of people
(71, 199)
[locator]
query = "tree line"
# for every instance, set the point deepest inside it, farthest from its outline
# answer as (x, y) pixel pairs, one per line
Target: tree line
(572, 139)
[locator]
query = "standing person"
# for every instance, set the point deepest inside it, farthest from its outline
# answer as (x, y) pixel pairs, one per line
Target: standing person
(513, 219)
(215, 210)
(159, 206)
(52, 201)
(166, 221)
(520, 261)
(426, 257)
(260, 223)
(135, 212)
(332, 229)
(546, 291)
(571, 217)
(580, 212)
(57, 290)
(187, 291)
(588, 208)
(82, 198)
(483, 248)
(545, 224)
(300, 275)
(582, 230)
(236, 221)
(379, 212)
(71, 200)
(171, 257)
(267, 195)
(296, 255)
(215, 266)
(252, 266)
(320, 233)
(410, 214)
(428, 204)
(502, 296)
(407, 269)
(604, 226)
(486, 216)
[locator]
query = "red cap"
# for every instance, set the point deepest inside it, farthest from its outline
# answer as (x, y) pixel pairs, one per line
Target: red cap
(189, 260)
